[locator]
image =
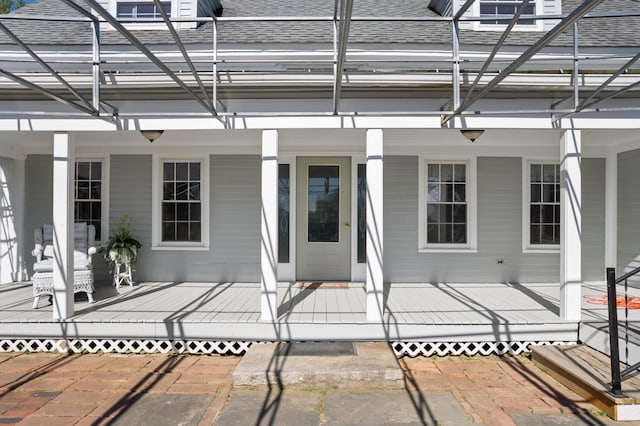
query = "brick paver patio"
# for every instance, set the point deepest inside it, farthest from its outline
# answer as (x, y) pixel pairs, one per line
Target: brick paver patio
(54, 389)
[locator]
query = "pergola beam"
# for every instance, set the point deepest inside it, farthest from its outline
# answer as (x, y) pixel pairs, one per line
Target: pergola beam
(578, 12)
(182, 49)
(462, 10)
(142, 48)
(46, 92)
(345, 21)
(47, 67)
(585, 103)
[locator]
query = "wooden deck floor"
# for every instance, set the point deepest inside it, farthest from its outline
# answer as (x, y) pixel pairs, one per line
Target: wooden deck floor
(437, 312)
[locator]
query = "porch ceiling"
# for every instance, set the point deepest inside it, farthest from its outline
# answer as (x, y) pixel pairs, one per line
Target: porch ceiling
(95, 80)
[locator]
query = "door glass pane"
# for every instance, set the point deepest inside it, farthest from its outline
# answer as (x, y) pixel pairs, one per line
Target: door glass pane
(362, 213)
(323, 204)
(283, 213)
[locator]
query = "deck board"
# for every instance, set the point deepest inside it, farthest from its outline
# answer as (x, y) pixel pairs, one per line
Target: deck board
(197, 308)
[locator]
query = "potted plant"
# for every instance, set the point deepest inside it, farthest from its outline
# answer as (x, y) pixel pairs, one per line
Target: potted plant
(121, 250)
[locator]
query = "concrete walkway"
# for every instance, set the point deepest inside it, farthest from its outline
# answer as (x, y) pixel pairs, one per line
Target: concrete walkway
(50, 389)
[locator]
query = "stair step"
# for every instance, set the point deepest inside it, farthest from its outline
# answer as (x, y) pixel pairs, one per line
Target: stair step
(587, 372)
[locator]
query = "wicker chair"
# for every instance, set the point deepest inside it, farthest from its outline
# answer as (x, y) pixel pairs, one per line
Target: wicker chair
(84, 241)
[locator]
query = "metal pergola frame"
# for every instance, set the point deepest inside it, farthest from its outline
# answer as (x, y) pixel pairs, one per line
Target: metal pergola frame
(341, 20)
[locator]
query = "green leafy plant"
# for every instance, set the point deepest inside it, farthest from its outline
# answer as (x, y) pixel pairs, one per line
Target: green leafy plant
(120, 245)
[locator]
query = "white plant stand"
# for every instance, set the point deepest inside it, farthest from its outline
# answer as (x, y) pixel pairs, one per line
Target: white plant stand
(122, 271)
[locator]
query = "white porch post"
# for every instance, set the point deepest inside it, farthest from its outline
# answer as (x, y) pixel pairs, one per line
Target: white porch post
(611, 212)
(63, 163)
(269, 226)
(570, 225)
(10, 218)
(375, 288)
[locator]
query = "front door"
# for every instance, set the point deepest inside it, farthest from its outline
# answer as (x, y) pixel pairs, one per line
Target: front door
(323, 246)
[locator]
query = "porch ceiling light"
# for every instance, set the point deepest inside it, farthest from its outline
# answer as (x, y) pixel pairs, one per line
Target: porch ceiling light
(152, 135)
(472, 134)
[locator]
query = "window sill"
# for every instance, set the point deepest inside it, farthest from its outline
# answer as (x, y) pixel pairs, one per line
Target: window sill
(542, 250)
(180, 248)
(447, 250)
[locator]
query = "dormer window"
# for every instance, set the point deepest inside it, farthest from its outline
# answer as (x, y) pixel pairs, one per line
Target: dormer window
(504, 10)
(142, 9)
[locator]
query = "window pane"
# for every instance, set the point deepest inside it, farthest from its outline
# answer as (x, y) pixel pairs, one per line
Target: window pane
(433, 192)
(82, 171)
(194, 171)
(182, 190)
(460, 173)
(168, 191)
(535, 213)
(547, 236)
(168, 212)
(194, 191)
(96, 170)
(536, 193)
(460, 213)
(168, 231)
(433, 172)
(459, 193)
(446, 233)
(536, 173)
(432, 234)
(168, 171)
(194, 212)
(182, 211)
(182, 171)
(548, 193)
(535, 234)
(182, 231)
(96, 210)
(194, 231)
(446, 172)
(83, 191)
(96, 190)
(556, 214)
(433, 213)
(460, 234)
(446, 213)
(549, 173)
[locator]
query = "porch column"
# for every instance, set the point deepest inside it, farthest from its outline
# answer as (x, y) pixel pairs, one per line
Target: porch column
(375, 287)
(11, 209)
(570, 225)
(63, 163)
(269, 227)
(611, 212)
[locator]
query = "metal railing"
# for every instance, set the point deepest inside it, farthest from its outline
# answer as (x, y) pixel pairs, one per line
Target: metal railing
(612, 303)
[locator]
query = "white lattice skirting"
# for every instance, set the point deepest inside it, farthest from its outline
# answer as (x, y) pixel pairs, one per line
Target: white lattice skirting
(411, 349)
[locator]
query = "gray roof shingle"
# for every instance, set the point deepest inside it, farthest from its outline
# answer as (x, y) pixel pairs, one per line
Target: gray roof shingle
(609, 32)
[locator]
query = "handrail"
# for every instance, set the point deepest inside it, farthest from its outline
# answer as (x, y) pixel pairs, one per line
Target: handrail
(628, 275)
(612, 281)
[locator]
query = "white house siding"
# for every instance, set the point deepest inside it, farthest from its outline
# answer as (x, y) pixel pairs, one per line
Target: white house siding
(593, 195)
(499, 228)
(234, 253)
(38, 200)
(628, 210)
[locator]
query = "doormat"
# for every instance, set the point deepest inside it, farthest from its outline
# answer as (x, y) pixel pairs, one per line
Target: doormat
(317, 349)
(322, 284)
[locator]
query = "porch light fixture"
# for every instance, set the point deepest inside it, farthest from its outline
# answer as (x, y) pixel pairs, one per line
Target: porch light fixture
(152, 135)
(472, 134)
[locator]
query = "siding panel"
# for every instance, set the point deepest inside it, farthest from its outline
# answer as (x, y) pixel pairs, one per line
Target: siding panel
(234, 193)
(38, 200)
(628, 210)
(593, 193)
(499, 230)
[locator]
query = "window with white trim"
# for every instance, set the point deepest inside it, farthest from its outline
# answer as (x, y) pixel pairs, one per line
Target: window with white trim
(543, 221)
(499, 14)
(447, 205)
(181, 201)
(88, 190)
(142, 9)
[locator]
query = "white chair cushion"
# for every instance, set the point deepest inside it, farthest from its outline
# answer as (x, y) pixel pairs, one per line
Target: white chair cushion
(80, 262)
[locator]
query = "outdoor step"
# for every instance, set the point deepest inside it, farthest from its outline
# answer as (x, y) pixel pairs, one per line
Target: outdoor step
(587, 372)
(338, 365)
(596, 335)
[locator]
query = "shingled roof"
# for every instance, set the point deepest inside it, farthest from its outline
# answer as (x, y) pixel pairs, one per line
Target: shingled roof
(601, 32)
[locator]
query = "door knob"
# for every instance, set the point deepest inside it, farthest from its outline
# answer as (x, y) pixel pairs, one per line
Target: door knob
(347, 225)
